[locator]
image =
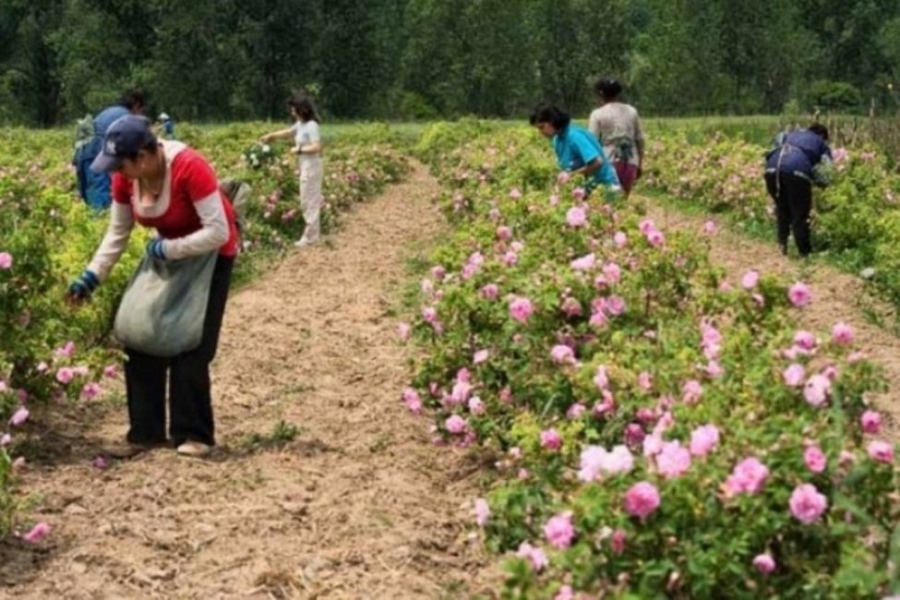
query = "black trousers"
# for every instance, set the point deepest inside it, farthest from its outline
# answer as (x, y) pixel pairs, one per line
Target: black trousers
(793, 203)
(190, 399)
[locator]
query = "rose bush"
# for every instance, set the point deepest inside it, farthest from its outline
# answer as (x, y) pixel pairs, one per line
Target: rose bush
(659, 427)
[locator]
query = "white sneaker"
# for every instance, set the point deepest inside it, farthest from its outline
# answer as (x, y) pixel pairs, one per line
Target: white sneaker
(303, 243)
(195, 449)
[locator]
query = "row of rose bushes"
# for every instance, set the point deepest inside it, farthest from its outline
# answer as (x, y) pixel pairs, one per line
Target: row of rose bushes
(659, 427)
(856, 219)
(49, 350)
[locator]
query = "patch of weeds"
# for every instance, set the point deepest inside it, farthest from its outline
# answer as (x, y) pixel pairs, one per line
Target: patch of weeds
(282, 434)
(383, 442)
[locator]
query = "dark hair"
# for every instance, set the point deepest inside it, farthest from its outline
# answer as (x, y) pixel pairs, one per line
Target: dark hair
(132, 98)
(304, 107)
(608, 87)
(550, 113)
(819, 130)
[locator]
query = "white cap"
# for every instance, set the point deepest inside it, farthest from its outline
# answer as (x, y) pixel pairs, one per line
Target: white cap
(163, 117)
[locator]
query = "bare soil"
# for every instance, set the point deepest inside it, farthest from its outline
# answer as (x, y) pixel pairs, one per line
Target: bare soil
(359, 504)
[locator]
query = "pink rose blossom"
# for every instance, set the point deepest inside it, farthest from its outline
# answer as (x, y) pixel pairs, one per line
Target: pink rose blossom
(533, 555)
(615, 305)
(842, 334)
(575, 411)
(521, 309)
(749, 280)
(815, 459)
(673, 460)
(510, 259)
(645, 381)
(596, 461)
(456, 424)
(482, 512)
(642, 499)
(656, 238)
(19, 417)
(704, 439)
(579, 193)
(563, 177)
(403, 331)
(617, 541)
(6, 261)
(710, 228)
(816, 390)
(748, 477)
(576, 217)
(515, 193)
(99, 463)
(620, 239)
(562, 354)
(646, 226)
(799, 295)
(490, 291)
(871, 422)
(42, 367)
(504, 233)
(613, 273)
(438, 272)
(565, 593)
(66, 351)
(764, 563)
(559, 531)
(584, 263)
(634, 434)
(90, 390)
(476, 406)
(551, 440)
(37, 533)
(793, 375)
(807, 504)
(571, 307)
(412, 400)
(881, 451)
(429, 314)
(505, 396)
(691, 391)
(601, 378)
(805, 340)
(480, 356)
(5, 440)
(110, 371)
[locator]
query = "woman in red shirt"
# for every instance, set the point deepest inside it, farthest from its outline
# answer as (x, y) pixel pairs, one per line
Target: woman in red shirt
(170, 187)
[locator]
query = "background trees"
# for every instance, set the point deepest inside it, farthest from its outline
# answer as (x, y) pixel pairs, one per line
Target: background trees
(224, 59)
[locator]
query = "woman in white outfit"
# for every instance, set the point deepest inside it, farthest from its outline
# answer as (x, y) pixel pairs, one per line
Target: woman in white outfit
(308, 147)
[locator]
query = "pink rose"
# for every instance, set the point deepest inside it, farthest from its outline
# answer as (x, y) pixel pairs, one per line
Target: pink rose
(881, 451)
(815, 459)
(521, 309)
(749, 280)
(456, 424)
(764, 563)
(412, 400)
(793, 375)
(748, 477)
(799, 295)
(704, 439)
(482, 512)
(533, 555)
(595, 461)
(842, 334)
(19, 417)
(37, 533)
(584, 263)
(562, 354)
(642, 499)
(476, 406)
(816, 390)
(480, 356)
(576, 217)
(6, 261)
(490, 291)
(551, 440)
(710, 228)
(559, 531)
(620, 239)
(871, 422)
(617, 541)
(807, 504)
(673, 460)
(691, 391)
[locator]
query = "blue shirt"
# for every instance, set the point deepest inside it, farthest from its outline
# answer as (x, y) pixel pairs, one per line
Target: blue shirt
(799, 152)
(576, 147)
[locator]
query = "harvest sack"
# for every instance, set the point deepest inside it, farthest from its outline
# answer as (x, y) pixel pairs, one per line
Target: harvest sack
(164, 306)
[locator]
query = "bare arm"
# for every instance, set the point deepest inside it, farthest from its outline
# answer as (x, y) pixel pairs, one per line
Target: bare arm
(281, 134)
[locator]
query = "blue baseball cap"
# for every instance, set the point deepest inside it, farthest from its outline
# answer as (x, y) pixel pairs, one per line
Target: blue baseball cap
(126, 137)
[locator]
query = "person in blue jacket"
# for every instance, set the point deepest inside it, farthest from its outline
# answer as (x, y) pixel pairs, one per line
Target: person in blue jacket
(577, 150)
(94, 187)
(166, 126)
(791, 171)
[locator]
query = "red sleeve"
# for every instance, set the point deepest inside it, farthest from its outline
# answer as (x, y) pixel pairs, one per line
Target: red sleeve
(121, 189)
(196, 175)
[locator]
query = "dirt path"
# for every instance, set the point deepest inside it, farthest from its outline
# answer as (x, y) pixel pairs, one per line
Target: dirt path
(835, 295)
(358, 505)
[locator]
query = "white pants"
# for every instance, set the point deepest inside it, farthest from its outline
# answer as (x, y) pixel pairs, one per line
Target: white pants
(311, 197)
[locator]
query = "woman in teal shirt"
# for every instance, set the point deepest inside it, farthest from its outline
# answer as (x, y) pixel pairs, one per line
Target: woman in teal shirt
(577, 150)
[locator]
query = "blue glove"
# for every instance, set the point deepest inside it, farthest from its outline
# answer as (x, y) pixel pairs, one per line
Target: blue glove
(155, 249)
(85, 285)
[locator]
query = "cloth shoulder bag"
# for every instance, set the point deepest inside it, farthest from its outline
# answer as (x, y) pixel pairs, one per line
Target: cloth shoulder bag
(164, 305)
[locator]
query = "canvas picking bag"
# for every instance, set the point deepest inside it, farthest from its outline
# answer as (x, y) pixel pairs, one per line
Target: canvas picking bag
(164, 305)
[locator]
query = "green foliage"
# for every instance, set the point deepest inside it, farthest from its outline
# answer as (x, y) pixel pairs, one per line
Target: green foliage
(837, 96)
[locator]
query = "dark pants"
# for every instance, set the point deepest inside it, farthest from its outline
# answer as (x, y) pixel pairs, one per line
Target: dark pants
(190, 400)
(793, 203)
